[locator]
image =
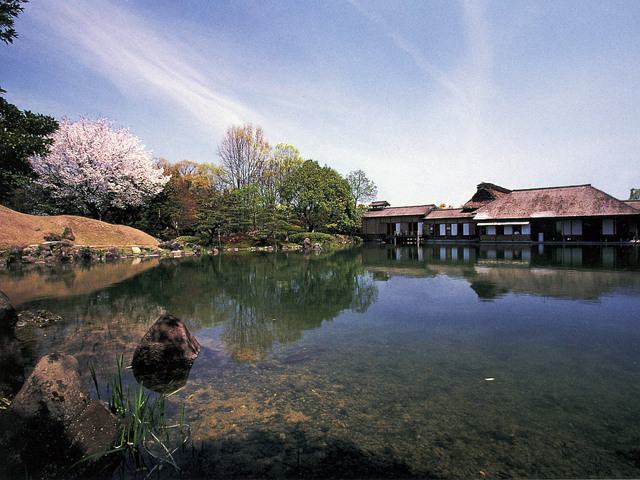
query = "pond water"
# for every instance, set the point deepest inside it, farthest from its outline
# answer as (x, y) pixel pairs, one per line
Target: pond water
(438, 361)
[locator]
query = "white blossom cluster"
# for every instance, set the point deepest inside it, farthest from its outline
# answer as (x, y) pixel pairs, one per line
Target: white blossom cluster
(98, 167)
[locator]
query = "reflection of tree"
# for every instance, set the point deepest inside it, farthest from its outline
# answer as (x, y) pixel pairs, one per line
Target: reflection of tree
(487, 290)
(260, 299)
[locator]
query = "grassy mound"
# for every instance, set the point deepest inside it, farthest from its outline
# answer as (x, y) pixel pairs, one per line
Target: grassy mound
(20, 229)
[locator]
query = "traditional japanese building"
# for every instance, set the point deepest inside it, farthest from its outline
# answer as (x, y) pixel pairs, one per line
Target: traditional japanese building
(387, 223)
(449, 224)
(574, 213)
(579, 213)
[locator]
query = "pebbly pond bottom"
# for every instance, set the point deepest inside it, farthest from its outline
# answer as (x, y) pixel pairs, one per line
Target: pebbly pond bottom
(441, 361)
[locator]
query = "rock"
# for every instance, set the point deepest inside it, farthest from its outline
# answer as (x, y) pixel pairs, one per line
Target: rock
(8, 316)
(136, 250)
(53, 244)
(68, 234)
(306, 244)
(317, 247)
(52, 237)
(12, 372)
(64, 254)
(175, 253)
(197, 249)
(41, 319)
(16, 254)
(29, 259)
(52, 423)
(164, 354)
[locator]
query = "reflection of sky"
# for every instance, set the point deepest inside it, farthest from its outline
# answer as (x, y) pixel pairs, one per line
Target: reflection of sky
(427, 307)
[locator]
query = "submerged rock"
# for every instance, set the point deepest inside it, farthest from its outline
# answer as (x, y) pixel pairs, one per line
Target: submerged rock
(41, 319)
(163, 359)
(52, 423)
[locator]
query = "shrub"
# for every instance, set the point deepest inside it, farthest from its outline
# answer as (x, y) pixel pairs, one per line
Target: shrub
(188, 239)
(315, 237)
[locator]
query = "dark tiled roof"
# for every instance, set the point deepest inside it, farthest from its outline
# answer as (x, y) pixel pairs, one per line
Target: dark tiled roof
(447, 213)
(574, 201)
(399, 211)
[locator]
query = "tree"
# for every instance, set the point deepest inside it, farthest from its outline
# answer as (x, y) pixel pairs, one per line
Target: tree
(244, 152)
(635, 194)
(208, 190)
(92, 168)
(362, 189)
(319, 196)
(22, 134)
(180, 206)
(284, 160)
(9, 11)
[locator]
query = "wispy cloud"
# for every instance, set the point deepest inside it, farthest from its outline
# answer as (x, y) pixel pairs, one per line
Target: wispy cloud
(413, 51)
(139, 60)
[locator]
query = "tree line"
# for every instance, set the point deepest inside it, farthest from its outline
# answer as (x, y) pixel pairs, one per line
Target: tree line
(93, 169)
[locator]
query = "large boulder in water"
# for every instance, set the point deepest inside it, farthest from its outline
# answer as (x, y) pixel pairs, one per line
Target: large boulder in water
(164, 357)
(53, 423)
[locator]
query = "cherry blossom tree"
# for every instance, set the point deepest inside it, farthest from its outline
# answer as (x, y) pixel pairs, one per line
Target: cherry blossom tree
(92, 167)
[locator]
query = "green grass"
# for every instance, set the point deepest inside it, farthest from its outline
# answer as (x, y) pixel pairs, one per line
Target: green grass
(144, 437)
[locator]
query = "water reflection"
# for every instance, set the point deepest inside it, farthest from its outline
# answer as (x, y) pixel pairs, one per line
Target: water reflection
(259, 300)
(380, 356)
(583, 273)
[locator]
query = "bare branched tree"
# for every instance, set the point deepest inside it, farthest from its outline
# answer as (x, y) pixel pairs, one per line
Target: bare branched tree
(244, 152)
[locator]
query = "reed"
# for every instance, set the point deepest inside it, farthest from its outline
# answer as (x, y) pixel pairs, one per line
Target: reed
(144, 437)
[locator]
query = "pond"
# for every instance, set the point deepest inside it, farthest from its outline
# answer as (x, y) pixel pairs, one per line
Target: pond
(438, 361)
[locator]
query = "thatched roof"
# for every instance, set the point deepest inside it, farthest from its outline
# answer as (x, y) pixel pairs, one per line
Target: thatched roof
(633, 203)
(485, 193)
(420, 210)
(573, 201)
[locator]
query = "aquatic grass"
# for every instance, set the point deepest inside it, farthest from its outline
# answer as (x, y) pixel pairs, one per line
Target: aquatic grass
(143, 422)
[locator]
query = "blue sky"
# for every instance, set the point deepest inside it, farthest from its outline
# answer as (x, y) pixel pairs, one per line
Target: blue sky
(429, 98)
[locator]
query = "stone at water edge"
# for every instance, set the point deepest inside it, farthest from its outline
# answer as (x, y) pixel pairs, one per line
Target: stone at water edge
(11, 360)
(8, 315)
(53, 422)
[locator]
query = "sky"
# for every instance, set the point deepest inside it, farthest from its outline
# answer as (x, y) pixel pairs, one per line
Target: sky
(428, 97)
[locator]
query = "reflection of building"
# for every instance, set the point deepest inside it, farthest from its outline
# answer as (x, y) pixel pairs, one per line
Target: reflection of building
(578, 213)
(586, 272)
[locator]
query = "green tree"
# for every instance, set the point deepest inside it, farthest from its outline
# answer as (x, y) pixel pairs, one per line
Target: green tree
(284, 160)
(9, 11)
(363, 190)
(22, 134)
(320, 197)
(635, 194)
(208, 190)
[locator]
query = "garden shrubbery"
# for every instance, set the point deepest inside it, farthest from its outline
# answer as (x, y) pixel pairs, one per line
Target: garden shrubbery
(315, 237)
